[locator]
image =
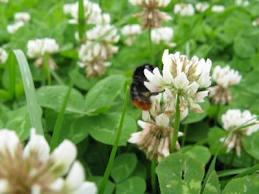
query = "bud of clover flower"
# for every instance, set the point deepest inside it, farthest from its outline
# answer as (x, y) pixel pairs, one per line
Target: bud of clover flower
(155, 140)
(188, 78)
(3, 55)
(162, 35)
(98, 48)
(225, 78)
(184, 9)
(34, 170)
(151, 16)
(238, 124)
(130, 32)
(38, 48)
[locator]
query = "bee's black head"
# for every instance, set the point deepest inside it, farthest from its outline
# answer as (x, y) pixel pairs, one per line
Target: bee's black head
(139, 72)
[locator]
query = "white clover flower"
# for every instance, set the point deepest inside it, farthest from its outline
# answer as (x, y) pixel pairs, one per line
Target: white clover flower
(38, 170)
(162, 35)
(184, 9)
(3, 55)
(202, 6)
(20, 19)
(224, 78)
(190, 78)
(93, 13)
(155, 138)
(239, 124)
(158, 3)
(256, 22)
(98, 48)
(130, 32)
(3, 1)
(217, 8)
(39, 47)
(243, 3)
(12, 28)
(22, 16)
(93, 57)
(150, 15)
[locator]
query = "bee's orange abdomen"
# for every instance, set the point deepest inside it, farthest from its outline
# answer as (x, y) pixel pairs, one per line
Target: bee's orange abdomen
(142, 105)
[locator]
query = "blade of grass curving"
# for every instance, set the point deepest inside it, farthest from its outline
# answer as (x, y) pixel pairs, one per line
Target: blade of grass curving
(81, 19)
(34, 109)
(55, 140)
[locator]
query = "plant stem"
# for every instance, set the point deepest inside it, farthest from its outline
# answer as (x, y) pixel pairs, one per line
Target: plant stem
(115, 145)
(57, 128)
(184, 134)
(153, 176)
(47, 68)
(174, 134)
(151, 46)
(81, 20)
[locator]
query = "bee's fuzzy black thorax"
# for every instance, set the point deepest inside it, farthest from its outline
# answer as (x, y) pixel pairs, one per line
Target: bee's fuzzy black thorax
(140, 95)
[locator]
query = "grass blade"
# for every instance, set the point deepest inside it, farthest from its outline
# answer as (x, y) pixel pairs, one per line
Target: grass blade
(57, 129)
(34, 109)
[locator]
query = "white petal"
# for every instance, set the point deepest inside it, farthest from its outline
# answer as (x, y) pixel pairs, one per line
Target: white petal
(87, 188)
(76, 176)
(162, 120)
(135, 138)
(4, 186)
(181, 81)
(201, 95)
(36, 189)
(57, 185)
(64, 155)
(39, 145)
(8, 141)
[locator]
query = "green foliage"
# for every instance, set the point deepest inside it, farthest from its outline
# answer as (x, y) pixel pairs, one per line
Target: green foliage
(90, 110)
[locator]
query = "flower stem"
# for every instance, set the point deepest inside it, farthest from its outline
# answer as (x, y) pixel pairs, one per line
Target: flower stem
(153, 177)
(47, 68)
(115, 145)
(151, 46)
(174, 135)
(81, 20)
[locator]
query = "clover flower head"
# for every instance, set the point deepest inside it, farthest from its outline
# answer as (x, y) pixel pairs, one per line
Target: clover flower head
(154, 139)
(3, 1)
(202, 6)
(151, 16)
(184, 9)
(256, 22)
(218, 8)
(3, 55)
(34, 169)
(224, 78)
(243, 3)
(239, 124)
(98, 48)
(93, 57)
(39, 47)
(189, 78)
(22, 16)
(130, 32)
(92, 11)
(162, 35)
(20, 19)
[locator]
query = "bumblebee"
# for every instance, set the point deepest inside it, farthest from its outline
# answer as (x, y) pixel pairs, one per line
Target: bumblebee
(140, 95)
